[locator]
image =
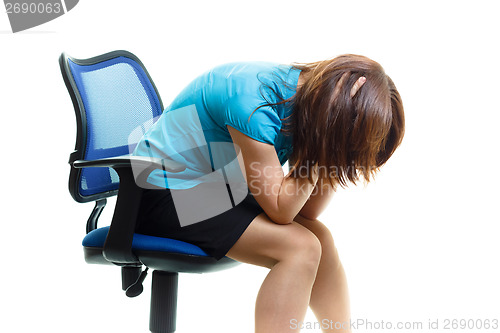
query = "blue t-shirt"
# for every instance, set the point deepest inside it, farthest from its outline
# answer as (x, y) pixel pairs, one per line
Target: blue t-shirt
(192, 129)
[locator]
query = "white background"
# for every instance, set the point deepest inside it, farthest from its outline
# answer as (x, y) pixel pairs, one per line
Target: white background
(420, 243)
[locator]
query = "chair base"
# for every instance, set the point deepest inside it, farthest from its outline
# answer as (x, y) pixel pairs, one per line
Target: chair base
(166, 266)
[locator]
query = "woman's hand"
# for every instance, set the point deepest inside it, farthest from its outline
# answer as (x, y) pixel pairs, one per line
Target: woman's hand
(315, 173)
(320, 196)
(318, 200)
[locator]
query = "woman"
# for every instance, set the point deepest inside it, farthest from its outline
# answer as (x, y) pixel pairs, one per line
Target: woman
(336, 121)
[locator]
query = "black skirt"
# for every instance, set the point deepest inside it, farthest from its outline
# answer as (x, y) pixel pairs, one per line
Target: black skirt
(215, 235)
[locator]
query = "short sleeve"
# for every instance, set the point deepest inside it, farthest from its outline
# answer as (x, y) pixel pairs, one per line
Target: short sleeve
(262, 125)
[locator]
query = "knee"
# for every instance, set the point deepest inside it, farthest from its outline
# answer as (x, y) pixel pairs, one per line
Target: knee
(329, 254)
(306, 251)
(324, 235)
(329, 250)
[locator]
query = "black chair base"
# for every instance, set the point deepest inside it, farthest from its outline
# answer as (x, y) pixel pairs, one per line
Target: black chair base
(163, 312)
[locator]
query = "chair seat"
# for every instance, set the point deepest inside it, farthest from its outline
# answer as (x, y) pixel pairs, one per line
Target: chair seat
(97, 237)
(158, 253)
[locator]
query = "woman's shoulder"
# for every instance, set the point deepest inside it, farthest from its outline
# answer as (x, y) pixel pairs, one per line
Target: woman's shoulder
(249, 71)
(244, 67)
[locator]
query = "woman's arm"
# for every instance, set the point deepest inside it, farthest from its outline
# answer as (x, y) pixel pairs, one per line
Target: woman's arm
(319, 199)
(281, 197)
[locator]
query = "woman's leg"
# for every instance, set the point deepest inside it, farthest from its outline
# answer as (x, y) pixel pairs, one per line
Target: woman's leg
(329, 296)
(292, 252)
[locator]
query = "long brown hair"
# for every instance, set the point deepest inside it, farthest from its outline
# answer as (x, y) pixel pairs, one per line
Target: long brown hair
(348, 137)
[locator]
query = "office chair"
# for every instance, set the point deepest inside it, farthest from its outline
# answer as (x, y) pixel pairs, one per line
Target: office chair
(113, 96)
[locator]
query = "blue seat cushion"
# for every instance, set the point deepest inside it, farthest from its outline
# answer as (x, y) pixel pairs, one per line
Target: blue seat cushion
(97, 237)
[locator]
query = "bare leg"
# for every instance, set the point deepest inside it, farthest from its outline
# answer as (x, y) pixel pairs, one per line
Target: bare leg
(329, 297)
(292, 252)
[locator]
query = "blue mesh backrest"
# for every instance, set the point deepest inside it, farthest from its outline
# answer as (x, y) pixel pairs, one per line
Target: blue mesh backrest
(118, 97)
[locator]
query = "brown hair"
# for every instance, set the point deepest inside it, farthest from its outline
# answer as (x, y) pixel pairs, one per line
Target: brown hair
(352, 136)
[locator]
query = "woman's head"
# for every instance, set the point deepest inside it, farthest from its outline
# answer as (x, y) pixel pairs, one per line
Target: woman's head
(347, 117)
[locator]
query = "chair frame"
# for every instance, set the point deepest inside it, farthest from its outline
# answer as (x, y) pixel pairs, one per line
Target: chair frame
(117, 249)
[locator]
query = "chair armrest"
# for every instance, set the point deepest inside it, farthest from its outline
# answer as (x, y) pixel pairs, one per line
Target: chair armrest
(140, 165)
(132, 161)
(133, 172)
